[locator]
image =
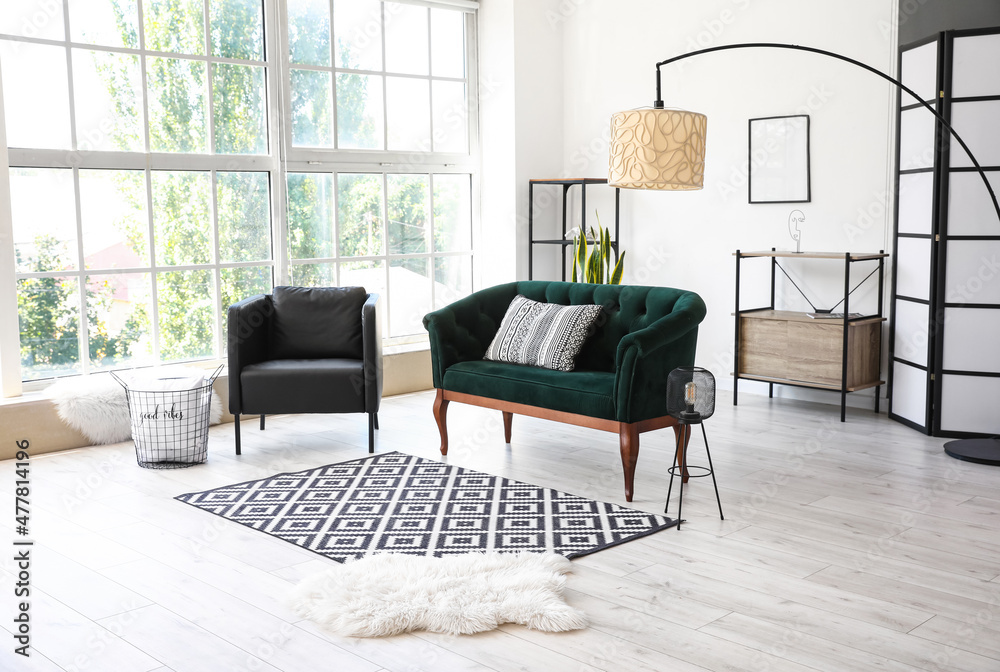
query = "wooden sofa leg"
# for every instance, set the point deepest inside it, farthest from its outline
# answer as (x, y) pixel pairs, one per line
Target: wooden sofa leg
(262, 422)
(507, 419)
(441, 417)
(682, 434)
(629, 434)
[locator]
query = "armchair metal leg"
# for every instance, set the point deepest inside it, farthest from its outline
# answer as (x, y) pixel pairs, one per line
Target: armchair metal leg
(237, 416)
(262, 422)
(371, 432)
(376, 420)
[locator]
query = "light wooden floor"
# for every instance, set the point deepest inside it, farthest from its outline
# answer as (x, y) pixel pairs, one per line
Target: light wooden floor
(856, 546)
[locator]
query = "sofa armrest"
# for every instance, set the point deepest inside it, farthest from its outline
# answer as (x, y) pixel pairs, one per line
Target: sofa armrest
(688, 312)
(371, 335)
(462, 331)
(247, 341)
(645, 357)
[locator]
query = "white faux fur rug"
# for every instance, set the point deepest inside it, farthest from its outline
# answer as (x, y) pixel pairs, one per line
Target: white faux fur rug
(459, 594)
(95, 405)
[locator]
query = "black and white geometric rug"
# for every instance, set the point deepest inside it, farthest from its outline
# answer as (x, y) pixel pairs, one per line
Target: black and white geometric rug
(400, 503)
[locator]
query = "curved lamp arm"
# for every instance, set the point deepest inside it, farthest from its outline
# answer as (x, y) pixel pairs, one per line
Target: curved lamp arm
(658, 103)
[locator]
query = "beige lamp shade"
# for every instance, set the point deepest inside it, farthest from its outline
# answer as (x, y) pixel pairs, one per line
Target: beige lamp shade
(657, 149)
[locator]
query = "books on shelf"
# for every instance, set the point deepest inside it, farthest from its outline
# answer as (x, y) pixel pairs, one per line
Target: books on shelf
(832, 316)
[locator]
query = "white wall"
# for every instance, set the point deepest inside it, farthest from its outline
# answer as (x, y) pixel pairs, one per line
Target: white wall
(496, 257)
(686, 240)
(521, 92)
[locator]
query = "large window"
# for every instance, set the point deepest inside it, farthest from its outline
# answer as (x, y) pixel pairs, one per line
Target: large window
(169, 157)
(380, 88)
(404, 235)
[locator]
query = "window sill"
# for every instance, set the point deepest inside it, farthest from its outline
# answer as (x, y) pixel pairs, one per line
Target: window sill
(405, 347)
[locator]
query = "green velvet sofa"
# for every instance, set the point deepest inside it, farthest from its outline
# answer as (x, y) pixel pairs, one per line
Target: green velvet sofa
(619, 383)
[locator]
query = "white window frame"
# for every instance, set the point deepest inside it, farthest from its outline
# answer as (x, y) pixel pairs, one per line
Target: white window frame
(388, 162)
(282, 159)
(76, 160)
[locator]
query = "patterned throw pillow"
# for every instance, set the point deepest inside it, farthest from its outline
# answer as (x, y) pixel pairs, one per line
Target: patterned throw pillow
(542, 334)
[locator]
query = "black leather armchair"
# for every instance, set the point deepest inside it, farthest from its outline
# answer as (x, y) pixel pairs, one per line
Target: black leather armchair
(306, 350)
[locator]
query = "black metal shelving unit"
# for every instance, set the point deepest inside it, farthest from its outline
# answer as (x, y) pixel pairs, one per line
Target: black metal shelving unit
(850, 349)
(566, 184)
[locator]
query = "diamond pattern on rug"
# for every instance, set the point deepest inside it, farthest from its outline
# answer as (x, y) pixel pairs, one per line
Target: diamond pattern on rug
(406, 504)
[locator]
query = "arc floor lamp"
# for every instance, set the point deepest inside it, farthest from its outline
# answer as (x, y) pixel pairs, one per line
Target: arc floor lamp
(664, 149)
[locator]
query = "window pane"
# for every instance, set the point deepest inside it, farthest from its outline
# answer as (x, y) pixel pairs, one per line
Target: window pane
(181, 218)
(314, 275)
(43, 209)
(186, 302)
(357, 26)
(113, 213)
(241, 283)
(406, 39)
(309, 32)
(408, 107)
(118, 324)
(48, 311)
(238, 103)
(177, 119)
(237, 29)
(371, 276)
(310, 215)
(447, 43)
(451, 131)
(112, 23)
(174, 25)
(452, 279)
(410, 285)
(452, 213)
(35, 73)
(359, 210)
(108, 92)
(33, 18)
(359, 112)
(244, 217)
(407, 216)
(312, 109)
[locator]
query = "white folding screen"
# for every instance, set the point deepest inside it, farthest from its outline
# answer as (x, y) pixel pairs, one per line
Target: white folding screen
(968, 397)
(945, 359)
(911, 332)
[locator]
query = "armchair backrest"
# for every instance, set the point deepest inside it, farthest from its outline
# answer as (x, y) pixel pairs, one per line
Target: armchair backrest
(316, 323)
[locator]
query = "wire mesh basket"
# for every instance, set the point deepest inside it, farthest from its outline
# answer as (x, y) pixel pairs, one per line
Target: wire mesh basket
(170, 427)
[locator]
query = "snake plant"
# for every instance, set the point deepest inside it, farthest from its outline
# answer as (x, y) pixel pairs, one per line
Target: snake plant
(592, 252)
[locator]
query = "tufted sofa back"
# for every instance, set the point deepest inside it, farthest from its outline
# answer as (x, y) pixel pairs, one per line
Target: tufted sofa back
(627, 308)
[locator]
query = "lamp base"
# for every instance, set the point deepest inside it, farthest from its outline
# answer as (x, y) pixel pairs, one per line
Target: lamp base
(980, 451)
(689, 417)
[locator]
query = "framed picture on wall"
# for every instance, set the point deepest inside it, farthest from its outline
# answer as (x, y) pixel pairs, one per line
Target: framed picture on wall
(779, 159)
